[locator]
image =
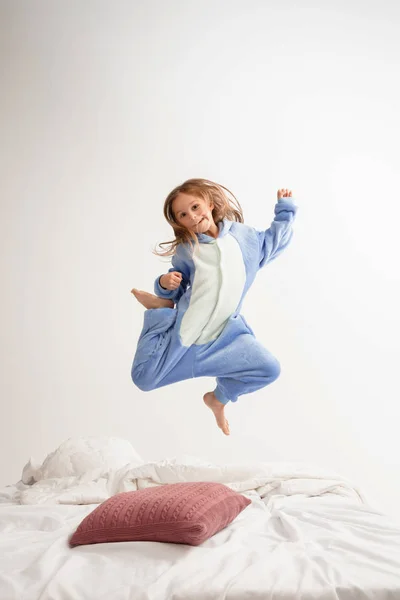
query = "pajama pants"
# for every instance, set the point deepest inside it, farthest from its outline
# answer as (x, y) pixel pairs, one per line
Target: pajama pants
(238, 361)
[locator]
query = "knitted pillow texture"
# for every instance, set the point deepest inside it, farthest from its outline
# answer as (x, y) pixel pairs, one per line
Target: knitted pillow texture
(180, 513)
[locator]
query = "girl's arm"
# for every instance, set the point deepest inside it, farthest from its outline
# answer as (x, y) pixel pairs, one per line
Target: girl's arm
(275, 239)
(177, 265)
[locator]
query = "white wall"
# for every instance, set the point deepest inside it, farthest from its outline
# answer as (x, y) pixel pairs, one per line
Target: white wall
(105, 107)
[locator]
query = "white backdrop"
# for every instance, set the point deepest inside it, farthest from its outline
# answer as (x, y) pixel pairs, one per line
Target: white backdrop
(105, 107)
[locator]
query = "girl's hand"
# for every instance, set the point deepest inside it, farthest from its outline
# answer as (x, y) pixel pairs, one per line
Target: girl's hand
(284, 193)
(171, 281)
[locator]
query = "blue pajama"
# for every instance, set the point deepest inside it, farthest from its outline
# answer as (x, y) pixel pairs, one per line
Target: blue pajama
(240, 363)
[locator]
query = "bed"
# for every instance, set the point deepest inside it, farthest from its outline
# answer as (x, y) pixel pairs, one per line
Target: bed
(307, 534)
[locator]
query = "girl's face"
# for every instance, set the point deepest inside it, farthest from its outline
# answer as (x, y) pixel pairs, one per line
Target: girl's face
(193, 213)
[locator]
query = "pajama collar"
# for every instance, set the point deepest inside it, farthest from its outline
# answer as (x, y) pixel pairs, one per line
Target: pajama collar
(223, 226)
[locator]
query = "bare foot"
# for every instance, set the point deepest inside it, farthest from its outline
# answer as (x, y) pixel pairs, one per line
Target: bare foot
(151, 301)
(218, 409)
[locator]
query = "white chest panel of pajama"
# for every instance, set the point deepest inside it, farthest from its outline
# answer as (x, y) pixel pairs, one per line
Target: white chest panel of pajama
(217, 288)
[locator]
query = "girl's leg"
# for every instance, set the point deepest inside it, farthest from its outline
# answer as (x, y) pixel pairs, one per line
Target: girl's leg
(160, 358)
(150, 300)
(240, 363)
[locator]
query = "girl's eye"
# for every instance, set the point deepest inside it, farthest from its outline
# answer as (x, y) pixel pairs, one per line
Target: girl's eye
(195, 206)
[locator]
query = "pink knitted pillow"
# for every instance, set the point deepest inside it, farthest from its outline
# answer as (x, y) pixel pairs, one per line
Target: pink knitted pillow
(181, 513)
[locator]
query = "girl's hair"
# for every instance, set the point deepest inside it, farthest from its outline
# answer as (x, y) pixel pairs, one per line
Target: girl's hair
(224, 207)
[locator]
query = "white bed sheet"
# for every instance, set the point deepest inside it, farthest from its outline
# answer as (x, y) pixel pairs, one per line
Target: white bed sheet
(289, 544)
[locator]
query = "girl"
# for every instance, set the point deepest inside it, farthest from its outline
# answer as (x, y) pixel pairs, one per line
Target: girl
(215, 258)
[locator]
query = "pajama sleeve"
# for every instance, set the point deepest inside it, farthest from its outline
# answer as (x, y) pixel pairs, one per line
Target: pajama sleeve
(178, 264)
(275, 239)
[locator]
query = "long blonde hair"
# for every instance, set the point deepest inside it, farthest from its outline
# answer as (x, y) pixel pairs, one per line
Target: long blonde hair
(225, 203)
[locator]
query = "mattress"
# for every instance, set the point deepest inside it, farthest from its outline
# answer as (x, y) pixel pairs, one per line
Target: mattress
(306, 535)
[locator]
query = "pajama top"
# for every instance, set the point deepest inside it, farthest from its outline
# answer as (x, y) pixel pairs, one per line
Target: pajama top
(218, 274)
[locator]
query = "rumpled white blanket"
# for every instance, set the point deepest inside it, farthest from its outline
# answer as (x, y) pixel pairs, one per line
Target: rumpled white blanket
(267, 480)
